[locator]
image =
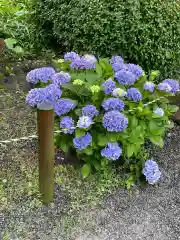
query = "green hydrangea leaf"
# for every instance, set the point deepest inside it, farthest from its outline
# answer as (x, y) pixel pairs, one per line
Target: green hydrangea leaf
(153, 126)
(157, 140)
(130, 150)
(85, 170)
(99, 70)
(133, 121)
(102, 140)
(88, 151)
(173, 108)
(18, 49)
(64, 147)
(10, 43)
(79, 132)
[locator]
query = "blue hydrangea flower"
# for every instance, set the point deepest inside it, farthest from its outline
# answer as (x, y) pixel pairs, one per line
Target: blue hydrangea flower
(76, 63)
(84, 122)
(159, 111)
(125, 77)
(134, 94)
(118, 92)
(117, 66)
(64, 106)
(36, 96)
(54, 91)
(151, 171)
(69, 56)
(90, 110)
(173, 84)
(85, 62)
(115, 59)
(45, 96)
(67, 125)
(90, 58)
(40, 74)
(109, 86)
(149, 86)
(165, 87)
(61, 78)
(115, 121)
(113, 104)
(112, 151)
(135, 69)
(117, 63)
(82, 142)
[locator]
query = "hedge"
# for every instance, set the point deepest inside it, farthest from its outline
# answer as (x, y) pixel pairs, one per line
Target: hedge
(146, 32)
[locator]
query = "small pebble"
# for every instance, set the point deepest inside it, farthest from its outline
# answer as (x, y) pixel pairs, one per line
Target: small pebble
(4, 181)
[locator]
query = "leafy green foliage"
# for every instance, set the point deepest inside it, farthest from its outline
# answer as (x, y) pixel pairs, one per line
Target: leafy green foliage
(11, 44)
(19, 26)
(146, 32)
(143, 123)
(86, 169)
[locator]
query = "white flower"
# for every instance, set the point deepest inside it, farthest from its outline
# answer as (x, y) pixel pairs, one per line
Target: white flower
(90, 58)
(118, 92)
(159, 111)
(84, 122)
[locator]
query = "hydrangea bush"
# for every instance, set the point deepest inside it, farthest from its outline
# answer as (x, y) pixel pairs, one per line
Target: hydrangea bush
(106, 109)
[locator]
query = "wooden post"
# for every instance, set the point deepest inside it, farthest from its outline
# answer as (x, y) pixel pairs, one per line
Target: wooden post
(46, 154)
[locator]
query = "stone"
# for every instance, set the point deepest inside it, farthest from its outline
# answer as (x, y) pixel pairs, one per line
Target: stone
(176, 117)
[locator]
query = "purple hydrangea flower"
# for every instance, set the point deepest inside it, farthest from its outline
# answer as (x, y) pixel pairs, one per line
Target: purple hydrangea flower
(165, 87)
(76, 63)
(61, 78)
(113, 104)
(112, 151)
(115, 59)
(151, 171)
(159, 111)
(85, 62)
(117, 66)
(135, 69)
(69, 56)
(109, 86)
(54, 91)
(115, 121)
(84, 122)
(43, 74)
(64, 106)
(134, 94)
(125, 77)
(90, 110)
(117, 63)
(149, 86)
(81, 143)
(173, 84)
(67, 125)
(47, 95)
(90, 58)
(36, 96)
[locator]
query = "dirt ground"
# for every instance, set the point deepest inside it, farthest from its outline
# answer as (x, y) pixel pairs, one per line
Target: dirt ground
(149, 213)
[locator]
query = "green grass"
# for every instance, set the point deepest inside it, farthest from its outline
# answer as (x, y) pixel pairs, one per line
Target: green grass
(19, 175)
(86, 193)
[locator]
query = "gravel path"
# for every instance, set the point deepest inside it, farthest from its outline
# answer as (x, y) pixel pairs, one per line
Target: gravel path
(149, 213)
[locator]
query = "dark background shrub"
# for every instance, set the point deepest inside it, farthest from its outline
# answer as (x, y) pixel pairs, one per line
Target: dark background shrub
(19, 21)
(146, 32)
